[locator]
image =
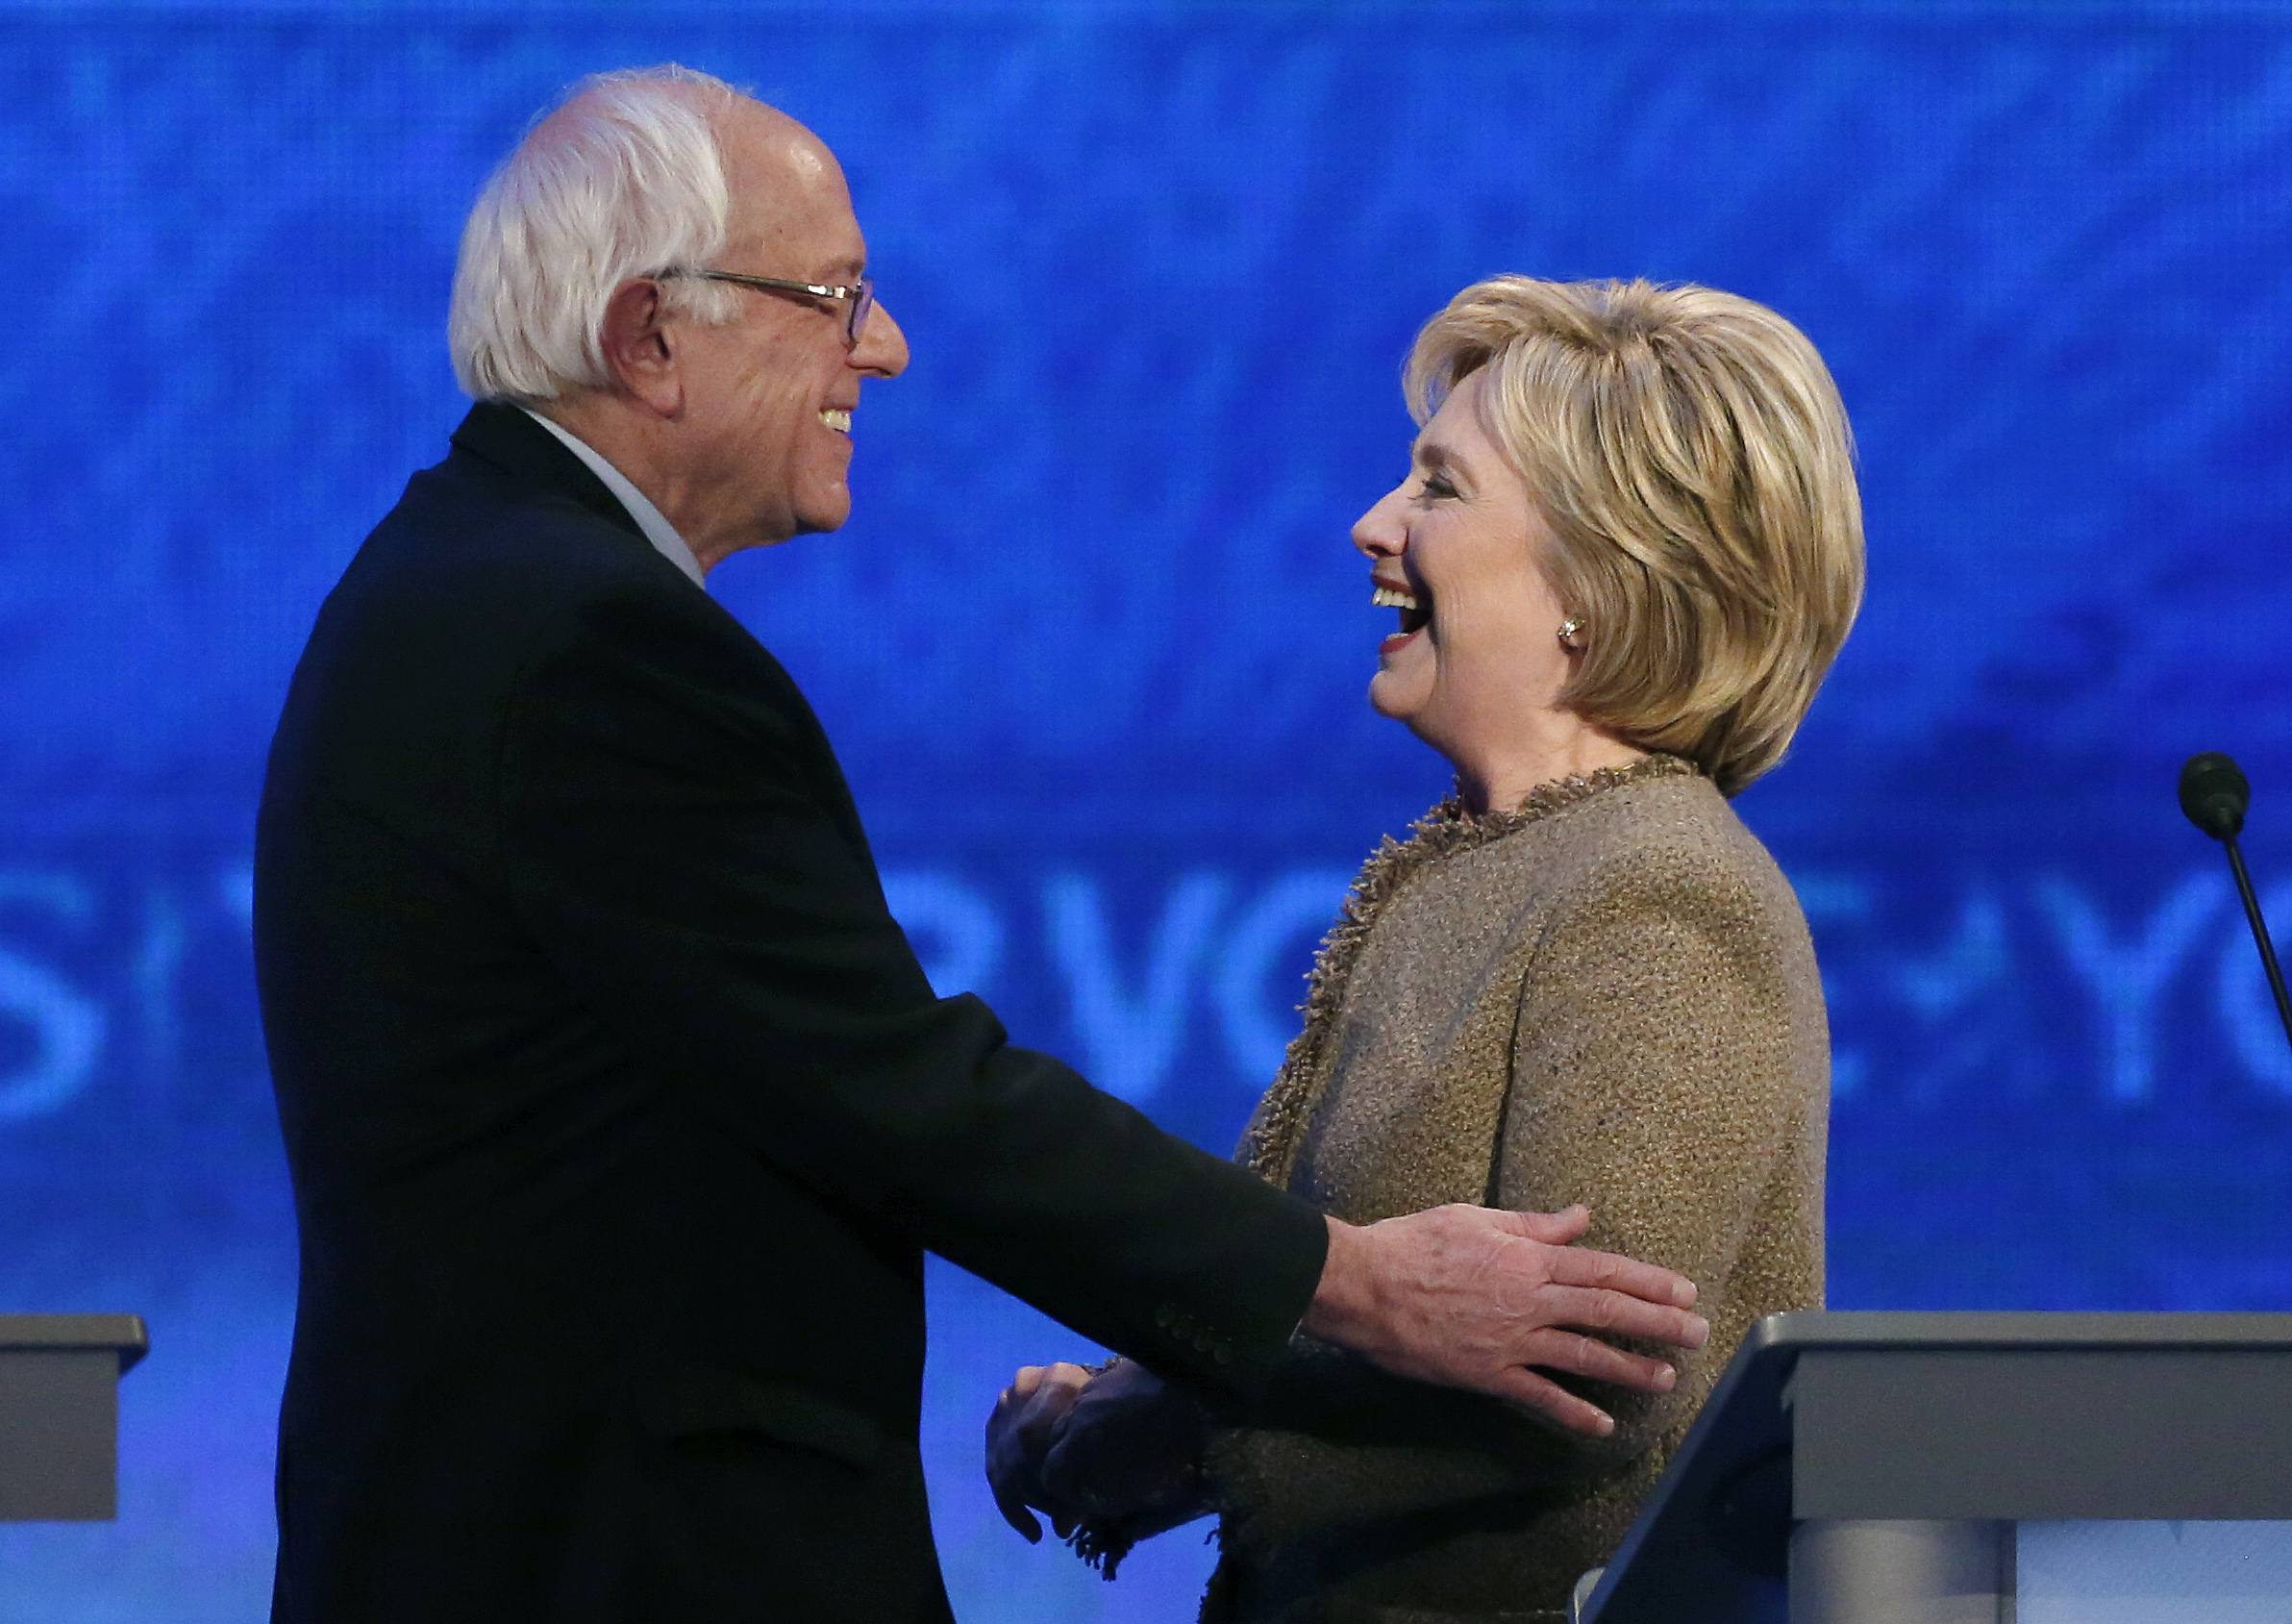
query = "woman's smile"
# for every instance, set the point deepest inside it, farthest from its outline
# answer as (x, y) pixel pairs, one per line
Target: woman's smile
(1414, 605)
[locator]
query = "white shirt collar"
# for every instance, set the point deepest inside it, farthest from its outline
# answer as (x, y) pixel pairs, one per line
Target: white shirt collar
(656, 529)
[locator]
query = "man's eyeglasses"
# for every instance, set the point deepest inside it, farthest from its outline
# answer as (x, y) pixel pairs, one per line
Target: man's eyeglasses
(858, 298)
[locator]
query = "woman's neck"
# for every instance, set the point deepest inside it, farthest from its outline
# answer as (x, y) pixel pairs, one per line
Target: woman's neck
(1500, 780)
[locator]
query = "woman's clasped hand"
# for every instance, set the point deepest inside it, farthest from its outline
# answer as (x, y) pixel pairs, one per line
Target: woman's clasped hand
(1116, 1447)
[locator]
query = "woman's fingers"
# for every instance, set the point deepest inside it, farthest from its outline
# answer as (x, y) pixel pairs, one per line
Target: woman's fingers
(1009, 1470)
(1037, 1397)
(1070, 1378)
(1019, 1433)
(1130, 1448)
(1013, 1506)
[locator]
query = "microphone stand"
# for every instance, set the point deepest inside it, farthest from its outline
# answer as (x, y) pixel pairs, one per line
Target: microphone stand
(2252, 915)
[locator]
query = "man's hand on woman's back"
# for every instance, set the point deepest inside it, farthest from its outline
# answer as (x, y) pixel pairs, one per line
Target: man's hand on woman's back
(1473, 1296)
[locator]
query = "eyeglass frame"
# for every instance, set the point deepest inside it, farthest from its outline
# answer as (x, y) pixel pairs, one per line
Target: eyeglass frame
(859, 298)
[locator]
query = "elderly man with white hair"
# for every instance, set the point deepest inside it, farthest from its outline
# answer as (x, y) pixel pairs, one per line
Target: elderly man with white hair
(620, 1116)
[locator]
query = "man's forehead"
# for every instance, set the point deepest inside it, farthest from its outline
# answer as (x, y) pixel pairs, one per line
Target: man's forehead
(789, 193)
(764, 147)
(810, 242)
(808, 155)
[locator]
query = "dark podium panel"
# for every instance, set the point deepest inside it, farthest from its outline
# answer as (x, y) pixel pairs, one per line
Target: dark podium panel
(59, 1413)
(1854, 1424)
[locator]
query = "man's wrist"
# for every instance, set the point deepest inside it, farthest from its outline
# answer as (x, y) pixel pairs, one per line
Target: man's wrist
(1342, 1297)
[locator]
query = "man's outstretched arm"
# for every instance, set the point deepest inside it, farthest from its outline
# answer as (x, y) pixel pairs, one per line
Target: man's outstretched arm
(1465, 1296)
(671, 836)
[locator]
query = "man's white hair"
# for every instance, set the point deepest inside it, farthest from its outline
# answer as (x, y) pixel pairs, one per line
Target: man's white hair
(625, 179)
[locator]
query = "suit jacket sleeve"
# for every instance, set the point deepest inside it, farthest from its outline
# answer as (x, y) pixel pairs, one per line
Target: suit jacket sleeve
(1651, 1079)
(679, 840)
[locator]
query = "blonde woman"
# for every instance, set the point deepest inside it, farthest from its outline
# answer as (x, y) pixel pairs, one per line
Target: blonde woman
(1627, 550)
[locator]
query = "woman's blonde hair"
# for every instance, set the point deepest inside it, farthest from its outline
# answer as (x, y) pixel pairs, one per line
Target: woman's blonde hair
(1692, 457)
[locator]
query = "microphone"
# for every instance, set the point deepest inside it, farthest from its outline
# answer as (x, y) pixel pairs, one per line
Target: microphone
(2214, 794)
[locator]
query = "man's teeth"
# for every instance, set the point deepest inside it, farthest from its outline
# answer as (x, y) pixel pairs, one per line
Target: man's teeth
(1391, 597)
(839, 422)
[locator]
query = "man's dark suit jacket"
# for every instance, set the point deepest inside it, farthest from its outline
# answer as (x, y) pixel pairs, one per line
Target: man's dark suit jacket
(620, 1116)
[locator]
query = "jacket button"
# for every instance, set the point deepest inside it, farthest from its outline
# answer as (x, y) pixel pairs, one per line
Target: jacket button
(1164, 1315)
(1223, 1353)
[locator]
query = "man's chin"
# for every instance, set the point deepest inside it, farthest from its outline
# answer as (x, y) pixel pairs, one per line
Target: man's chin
(824, 513)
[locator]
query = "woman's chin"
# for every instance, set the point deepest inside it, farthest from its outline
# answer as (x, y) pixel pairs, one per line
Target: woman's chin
(1393, 697)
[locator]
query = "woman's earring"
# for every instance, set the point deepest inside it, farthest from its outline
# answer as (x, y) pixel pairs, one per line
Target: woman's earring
(1571, 632)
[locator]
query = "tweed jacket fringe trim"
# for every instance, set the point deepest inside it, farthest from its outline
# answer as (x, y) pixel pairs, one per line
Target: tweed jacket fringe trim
(1269, 1146)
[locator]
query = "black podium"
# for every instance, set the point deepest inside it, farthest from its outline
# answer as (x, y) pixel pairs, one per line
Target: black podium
(1865, 1468)
(59, 1413)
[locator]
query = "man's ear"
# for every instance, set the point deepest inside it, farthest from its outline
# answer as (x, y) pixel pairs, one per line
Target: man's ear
(640, 350)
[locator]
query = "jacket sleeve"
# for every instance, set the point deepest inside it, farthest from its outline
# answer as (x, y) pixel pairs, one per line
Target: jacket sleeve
(1653, 1079)
(677, 839)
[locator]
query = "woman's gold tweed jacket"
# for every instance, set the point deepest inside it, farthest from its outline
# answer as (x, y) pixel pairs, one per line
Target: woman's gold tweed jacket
(1607, 996)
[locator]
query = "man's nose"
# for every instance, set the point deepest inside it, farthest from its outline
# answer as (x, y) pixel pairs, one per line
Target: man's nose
(882, 348)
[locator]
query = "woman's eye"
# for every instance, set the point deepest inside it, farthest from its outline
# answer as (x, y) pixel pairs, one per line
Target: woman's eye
(1435, 488)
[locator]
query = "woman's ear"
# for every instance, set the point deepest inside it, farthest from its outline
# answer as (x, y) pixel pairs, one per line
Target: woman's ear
(639, 348)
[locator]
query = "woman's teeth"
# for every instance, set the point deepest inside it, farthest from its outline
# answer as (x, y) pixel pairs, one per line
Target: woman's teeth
(839, 422)
(1414, 615)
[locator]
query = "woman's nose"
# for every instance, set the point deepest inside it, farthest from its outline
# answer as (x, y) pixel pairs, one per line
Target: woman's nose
(1380, 532)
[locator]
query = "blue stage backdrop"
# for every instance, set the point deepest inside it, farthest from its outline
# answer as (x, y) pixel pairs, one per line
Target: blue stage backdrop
(1094, 643)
